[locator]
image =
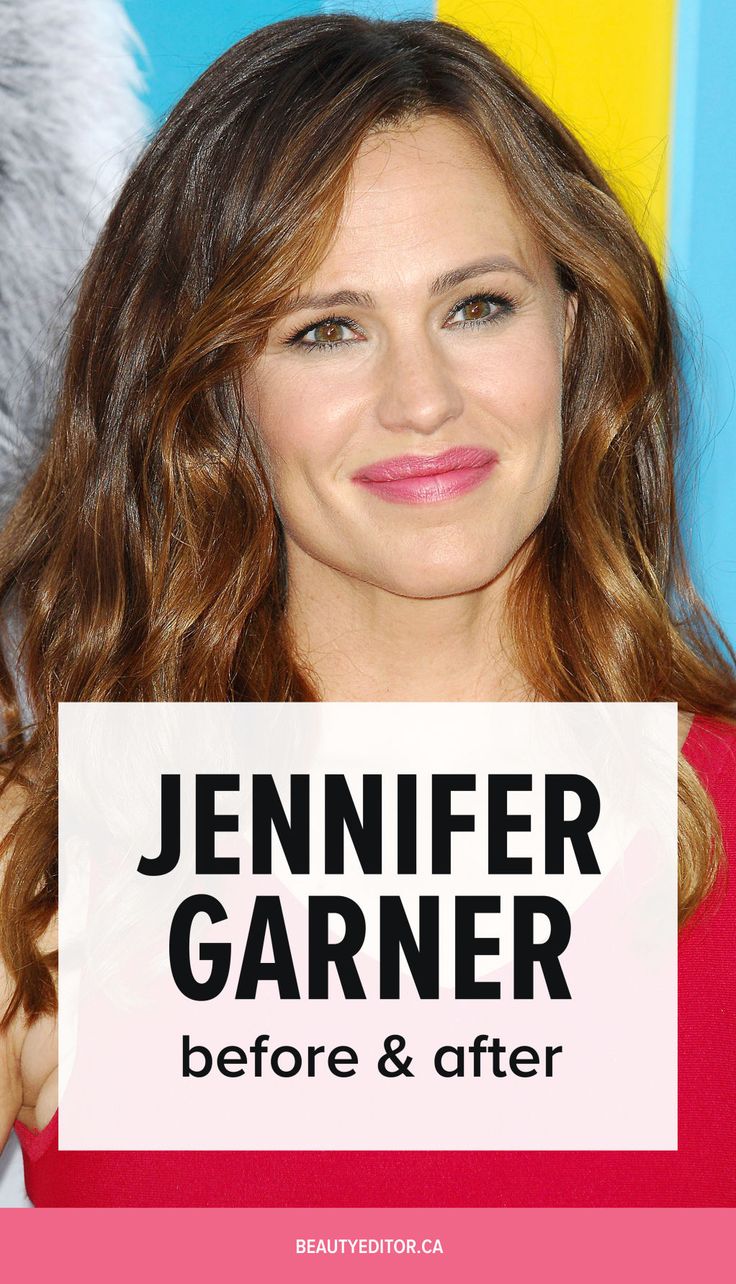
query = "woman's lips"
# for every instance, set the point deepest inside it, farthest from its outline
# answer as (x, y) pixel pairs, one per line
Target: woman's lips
(427, 479)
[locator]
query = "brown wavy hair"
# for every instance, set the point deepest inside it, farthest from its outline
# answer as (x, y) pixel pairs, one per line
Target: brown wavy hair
(144, 559)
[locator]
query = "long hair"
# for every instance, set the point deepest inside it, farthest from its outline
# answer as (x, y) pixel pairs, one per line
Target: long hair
(144, 559)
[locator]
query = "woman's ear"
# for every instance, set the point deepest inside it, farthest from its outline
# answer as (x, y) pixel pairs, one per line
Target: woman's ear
(571, 312)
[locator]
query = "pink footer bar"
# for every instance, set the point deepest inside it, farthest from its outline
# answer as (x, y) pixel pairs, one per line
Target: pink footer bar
(134, 1246)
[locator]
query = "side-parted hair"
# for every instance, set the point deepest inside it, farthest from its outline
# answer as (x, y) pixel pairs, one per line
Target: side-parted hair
(144, 559)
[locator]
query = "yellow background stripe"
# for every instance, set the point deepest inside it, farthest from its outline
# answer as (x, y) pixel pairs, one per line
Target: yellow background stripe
(605, 66)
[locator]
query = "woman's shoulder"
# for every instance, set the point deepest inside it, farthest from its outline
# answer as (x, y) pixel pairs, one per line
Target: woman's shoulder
(710, 747)
(12, 1038)
(28, 1051)
(12, 1034)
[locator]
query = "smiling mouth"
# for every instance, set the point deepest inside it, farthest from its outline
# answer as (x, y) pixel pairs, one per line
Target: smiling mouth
(428, 479)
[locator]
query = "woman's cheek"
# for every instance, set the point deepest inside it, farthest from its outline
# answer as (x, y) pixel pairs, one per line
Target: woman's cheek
(516, 381)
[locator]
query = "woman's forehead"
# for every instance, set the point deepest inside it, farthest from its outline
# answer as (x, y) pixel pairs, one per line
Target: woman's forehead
(433, 153)
(422, 199)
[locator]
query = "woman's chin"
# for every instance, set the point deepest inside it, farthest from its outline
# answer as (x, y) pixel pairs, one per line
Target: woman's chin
(435, 581)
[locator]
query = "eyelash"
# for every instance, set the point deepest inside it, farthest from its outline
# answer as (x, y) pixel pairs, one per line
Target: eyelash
(502, 302)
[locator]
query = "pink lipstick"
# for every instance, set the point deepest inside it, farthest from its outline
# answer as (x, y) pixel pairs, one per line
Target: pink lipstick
(428, 479)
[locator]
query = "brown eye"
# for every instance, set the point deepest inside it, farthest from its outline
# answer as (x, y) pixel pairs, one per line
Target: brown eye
(327, 332)
(476, 310)
(482, 309)
(330, 333)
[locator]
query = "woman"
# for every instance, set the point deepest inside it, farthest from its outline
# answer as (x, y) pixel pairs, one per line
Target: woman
(370, 395)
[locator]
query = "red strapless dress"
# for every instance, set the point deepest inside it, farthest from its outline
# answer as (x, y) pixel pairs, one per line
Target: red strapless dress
(701, 1172)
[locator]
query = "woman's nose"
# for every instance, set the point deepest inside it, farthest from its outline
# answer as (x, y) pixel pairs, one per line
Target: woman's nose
(417, 391)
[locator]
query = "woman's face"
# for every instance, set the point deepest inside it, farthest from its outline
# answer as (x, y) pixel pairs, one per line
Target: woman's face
(435, 324)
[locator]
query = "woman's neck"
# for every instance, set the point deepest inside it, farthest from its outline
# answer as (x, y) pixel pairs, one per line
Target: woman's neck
(361, 642)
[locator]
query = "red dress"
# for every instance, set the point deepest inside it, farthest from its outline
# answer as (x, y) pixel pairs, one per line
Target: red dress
(701, 1172)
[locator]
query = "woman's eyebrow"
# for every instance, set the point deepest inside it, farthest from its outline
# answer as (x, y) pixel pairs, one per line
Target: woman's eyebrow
(440, 285)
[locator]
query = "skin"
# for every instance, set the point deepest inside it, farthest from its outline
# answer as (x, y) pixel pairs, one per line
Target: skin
(415, 593)
(28, 1053)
